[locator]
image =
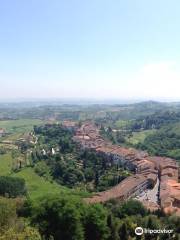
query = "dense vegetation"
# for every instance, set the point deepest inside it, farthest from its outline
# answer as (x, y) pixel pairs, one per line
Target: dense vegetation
(100, 112)
(158, 133)
(12, 187)
(156, 120)
(58, 157)
(55, 217)
(116, 136)
(165, 142)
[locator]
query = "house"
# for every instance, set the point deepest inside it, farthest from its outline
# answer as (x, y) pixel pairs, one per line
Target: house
(147, 170)
(2, 132)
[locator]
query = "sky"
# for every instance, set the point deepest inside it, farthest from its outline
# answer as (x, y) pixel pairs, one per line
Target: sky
(95, 49)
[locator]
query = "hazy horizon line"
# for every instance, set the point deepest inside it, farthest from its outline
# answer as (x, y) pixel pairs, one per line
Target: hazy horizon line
(87, 100)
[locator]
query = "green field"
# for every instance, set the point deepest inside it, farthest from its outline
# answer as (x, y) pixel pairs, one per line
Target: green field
(5, 164)
(19, 126)
(122, 123)
(38, 186)
(138, 137)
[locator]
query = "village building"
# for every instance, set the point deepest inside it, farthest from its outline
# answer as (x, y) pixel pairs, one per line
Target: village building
(148, 171)
(2, 132)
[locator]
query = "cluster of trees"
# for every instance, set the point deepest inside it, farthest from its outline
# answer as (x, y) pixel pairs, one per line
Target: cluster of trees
(117, 137)
(69, 166)
(12, 186)
(132, 111)
(164, 142)
(85, 168)
(65, 170)
(55, 135)
(101, 172)
(3, 150)
(155, 120)
(69, 218)
(60, 166)
(63, 165)
(72, 115)
(11, 225)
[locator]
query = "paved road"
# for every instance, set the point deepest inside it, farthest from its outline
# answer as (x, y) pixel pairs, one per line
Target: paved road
(150, 194)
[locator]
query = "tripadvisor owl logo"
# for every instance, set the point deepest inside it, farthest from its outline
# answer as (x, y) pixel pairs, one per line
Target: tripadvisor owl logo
(139, 231)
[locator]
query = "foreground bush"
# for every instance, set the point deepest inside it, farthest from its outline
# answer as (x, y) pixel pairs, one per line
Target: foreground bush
(12, 186)
(68, 218)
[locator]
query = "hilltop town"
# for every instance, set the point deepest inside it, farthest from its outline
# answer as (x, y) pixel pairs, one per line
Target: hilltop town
(154, 180)
(105, 169)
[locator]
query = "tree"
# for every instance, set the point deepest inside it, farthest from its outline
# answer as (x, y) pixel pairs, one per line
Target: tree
(58, 217)
(12, 186)
(3, 150)
(89, 174)
(96, 178)
(152, 223)
(131, 207)
(112, 224)
(7, 214)
(95, 223)
(42, 170)
(12, 227)
(123, 233)
(28, 233)
(120, 138)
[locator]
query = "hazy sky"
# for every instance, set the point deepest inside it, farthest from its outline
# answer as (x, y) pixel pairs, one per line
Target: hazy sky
(90, 49)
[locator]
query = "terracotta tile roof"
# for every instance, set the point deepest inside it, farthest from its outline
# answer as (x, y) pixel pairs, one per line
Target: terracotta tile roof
(148, 168)
(119, 191)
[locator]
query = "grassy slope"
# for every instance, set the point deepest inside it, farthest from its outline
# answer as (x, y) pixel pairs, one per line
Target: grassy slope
(36, 185)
